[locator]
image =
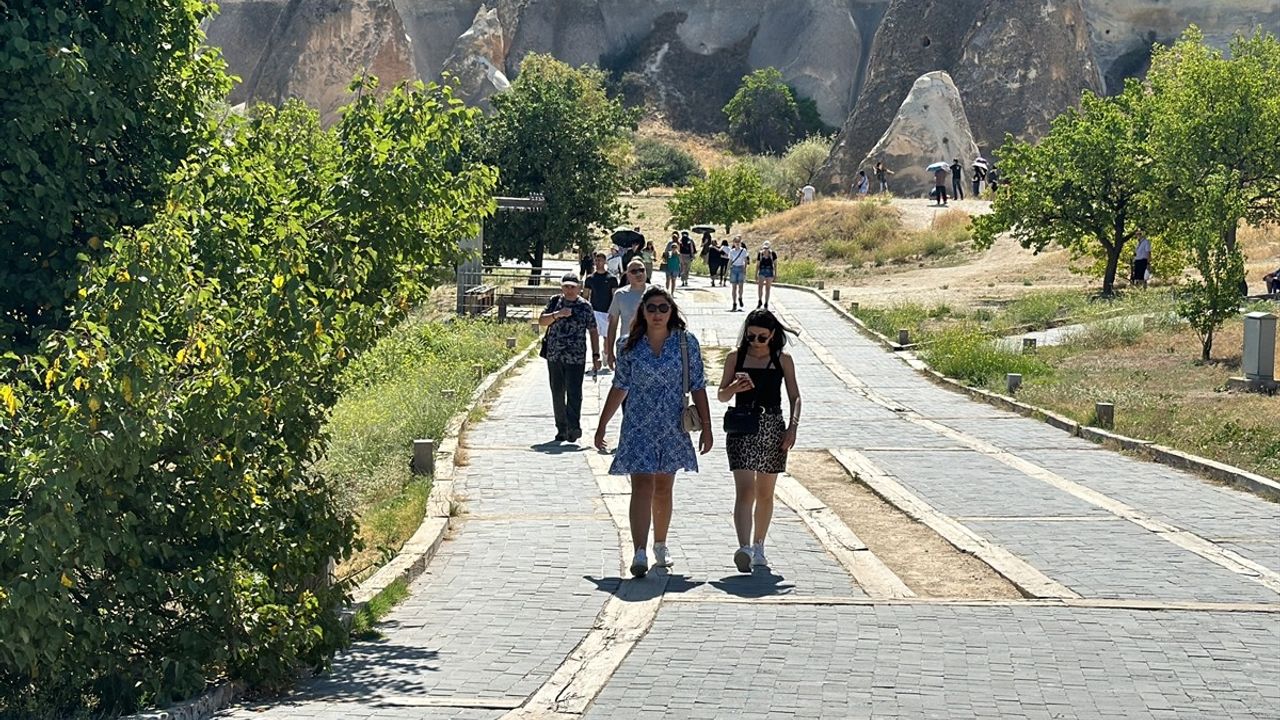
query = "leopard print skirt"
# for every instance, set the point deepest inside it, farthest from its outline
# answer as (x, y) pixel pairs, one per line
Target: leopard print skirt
(762, 451)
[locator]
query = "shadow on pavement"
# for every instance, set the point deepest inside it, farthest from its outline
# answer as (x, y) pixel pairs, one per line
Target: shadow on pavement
(657, 582)
(368, 669)
(762, 582)
(557, 447)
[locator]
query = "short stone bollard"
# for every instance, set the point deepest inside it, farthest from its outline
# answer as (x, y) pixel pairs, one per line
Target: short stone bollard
(853, 307)
(448, 393)
(511, 343)
(479, 370)
(1012, 381)
(424, 457)
(835, 294)
(1105, 414)
(822, 285)
(1028, 345)
(904, 337)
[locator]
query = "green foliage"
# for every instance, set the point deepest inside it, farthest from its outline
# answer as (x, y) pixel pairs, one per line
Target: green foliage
(808, 119)
(797, 167)
(967, 353)
(378, 607)
(1086, 186)
(889, 320)
(558, 133)
(162, 520)
(797, 271)
(99, 108)
(762, 114)
(658, 164)
(1214, 297)
(727, 196)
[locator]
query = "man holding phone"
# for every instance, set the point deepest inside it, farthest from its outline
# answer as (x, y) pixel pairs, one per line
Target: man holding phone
(567, 318)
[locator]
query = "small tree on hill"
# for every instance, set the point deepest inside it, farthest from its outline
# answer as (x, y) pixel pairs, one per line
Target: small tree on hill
(727, 196)
(1214, 297)
(763, 116)
(554, 132)
(658, 164)
(1084, 186)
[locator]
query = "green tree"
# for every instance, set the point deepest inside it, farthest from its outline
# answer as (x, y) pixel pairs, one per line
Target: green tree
(99, 108)
(659, 164)
(1214, 297)
(1218, 117)
(808, 120)
(763, 116)
(727, 196)
(1085, 186)
(555, 132)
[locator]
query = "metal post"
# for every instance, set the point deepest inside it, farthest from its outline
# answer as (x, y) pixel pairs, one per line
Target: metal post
(835, 294)
(511, 343)
(1012, 381)
(821, 285)
(1105, 413)
(904, 337)
(424, 457)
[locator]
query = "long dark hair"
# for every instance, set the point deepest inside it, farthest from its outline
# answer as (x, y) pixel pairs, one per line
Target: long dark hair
(763, 318)
(640, 326)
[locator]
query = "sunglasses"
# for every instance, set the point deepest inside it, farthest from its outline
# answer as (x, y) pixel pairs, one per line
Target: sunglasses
(663, 308)
(636, 271)
(762, 337)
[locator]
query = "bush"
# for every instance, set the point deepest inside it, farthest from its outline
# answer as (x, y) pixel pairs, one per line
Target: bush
(657, 164)
(966, 353)
(797, 272)
(763, 116)
(162, 520)
(727, 196)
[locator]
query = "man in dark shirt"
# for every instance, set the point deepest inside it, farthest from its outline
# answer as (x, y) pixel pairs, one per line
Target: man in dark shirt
(687, 250)
(957, 180)
(567, 319)
(600, 286)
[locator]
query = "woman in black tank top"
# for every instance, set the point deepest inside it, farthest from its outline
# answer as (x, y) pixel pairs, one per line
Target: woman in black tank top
(753, 377)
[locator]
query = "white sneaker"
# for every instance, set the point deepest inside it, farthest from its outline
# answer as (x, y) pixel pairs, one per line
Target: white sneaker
(742, 559)
(757, 556)
(661, 556)
(639, 564)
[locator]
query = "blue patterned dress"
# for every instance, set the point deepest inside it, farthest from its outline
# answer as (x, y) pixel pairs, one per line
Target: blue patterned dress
(652, 440)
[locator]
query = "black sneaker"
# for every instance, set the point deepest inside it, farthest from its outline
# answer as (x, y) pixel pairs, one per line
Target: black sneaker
(561, 437)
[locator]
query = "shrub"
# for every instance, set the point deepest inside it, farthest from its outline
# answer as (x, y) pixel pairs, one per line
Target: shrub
(162, 520)
(727, 196)
(966, 353)
(797, 272)
(763, 116)
(657, 164)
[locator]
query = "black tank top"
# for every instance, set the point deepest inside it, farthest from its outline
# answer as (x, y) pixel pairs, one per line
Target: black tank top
(767, 393)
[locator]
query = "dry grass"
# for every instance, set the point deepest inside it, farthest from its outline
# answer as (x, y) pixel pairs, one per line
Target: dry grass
(709, 152)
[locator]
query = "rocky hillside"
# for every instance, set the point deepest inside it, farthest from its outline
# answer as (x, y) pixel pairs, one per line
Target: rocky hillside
(1015, 63)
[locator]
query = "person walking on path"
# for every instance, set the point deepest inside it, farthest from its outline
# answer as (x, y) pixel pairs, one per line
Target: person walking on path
(957, 179)
(993, 179)
(646, 256)
(710, 253)
(940, 185)
(723, 267)
(766, 270)
(687, 251)
(671, 262)
(1141, 261)
(882, 176)
(626, 302)
(660, 363)
(862, 185)
(567, 318)
(978, 173)
(600, 286)
(739, 258)
(753, 376)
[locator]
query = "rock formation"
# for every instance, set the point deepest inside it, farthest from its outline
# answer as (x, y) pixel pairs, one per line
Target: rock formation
(479, 57)
(930, 127)
(311, 50)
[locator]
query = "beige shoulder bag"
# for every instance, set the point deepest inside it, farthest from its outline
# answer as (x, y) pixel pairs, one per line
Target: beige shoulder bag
(690, 420)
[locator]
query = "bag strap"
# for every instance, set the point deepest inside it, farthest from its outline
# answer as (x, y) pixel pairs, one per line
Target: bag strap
(684, 360)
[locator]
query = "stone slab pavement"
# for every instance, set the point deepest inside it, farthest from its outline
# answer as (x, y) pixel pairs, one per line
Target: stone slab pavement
(527, 572)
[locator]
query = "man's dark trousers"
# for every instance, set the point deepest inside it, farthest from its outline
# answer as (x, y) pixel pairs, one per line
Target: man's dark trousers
(957, 188)
(566, 396)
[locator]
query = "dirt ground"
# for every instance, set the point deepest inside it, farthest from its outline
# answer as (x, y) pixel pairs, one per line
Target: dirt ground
(928, 564)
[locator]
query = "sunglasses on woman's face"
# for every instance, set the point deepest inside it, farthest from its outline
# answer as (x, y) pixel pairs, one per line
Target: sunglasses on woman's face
(636, 271)
(761, 338)
(658, 309)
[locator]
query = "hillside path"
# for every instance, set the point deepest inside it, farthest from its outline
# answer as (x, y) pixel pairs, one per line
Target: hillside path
(1158, 593)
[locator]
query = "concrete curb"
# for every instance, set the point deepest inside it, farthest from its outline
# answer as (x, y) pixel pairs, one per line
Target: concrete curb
(407, 565)
(1212, 469)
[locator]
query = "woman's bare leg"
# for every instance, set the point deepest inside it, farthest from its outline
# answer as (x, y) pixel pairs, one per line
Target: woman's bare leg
(641, 511)
(765, 483)
(662, 492)
(768, 290)
(744, 499)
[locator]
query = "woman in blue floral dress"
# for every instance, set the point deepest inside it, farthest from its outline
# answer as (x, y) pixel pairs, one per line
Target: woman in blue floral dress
(653, 446)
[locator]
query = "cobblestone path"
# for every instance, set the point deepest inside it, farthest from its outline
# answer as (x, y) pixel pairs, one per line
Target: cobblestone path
(1159, 592)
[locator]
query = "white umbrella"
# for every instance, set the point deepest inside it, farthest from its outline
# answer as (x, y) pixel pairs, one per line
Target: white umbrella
(938, 166)
(980, 162)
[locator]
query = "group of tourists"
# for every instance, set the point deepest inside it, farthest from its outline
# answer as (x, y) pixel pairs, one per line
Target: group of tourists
(980, 173)
(657, 365)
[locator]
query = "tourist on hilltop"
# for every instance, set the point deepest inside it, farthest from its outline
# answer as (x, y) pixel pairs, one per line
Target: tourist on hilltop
(659, 365)
(671, 262)
(568, 318)
(940, 185)
(623, 312)
(882, 176)
(766, 270)
(957, 179)
(757, 438)
(687, 251)
(1141, 260)
(739, 258)
(862, 185)
(808, 193)
(710, 254)
(599, 290)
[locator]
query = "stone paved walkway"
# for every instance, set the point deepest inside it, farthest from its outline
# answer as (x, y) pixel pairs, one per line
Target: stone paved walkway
(524, 612)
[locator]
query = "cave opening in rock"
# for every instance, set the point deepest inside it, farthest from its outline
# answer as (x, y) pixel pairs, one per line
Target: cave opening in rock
(926, 42)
